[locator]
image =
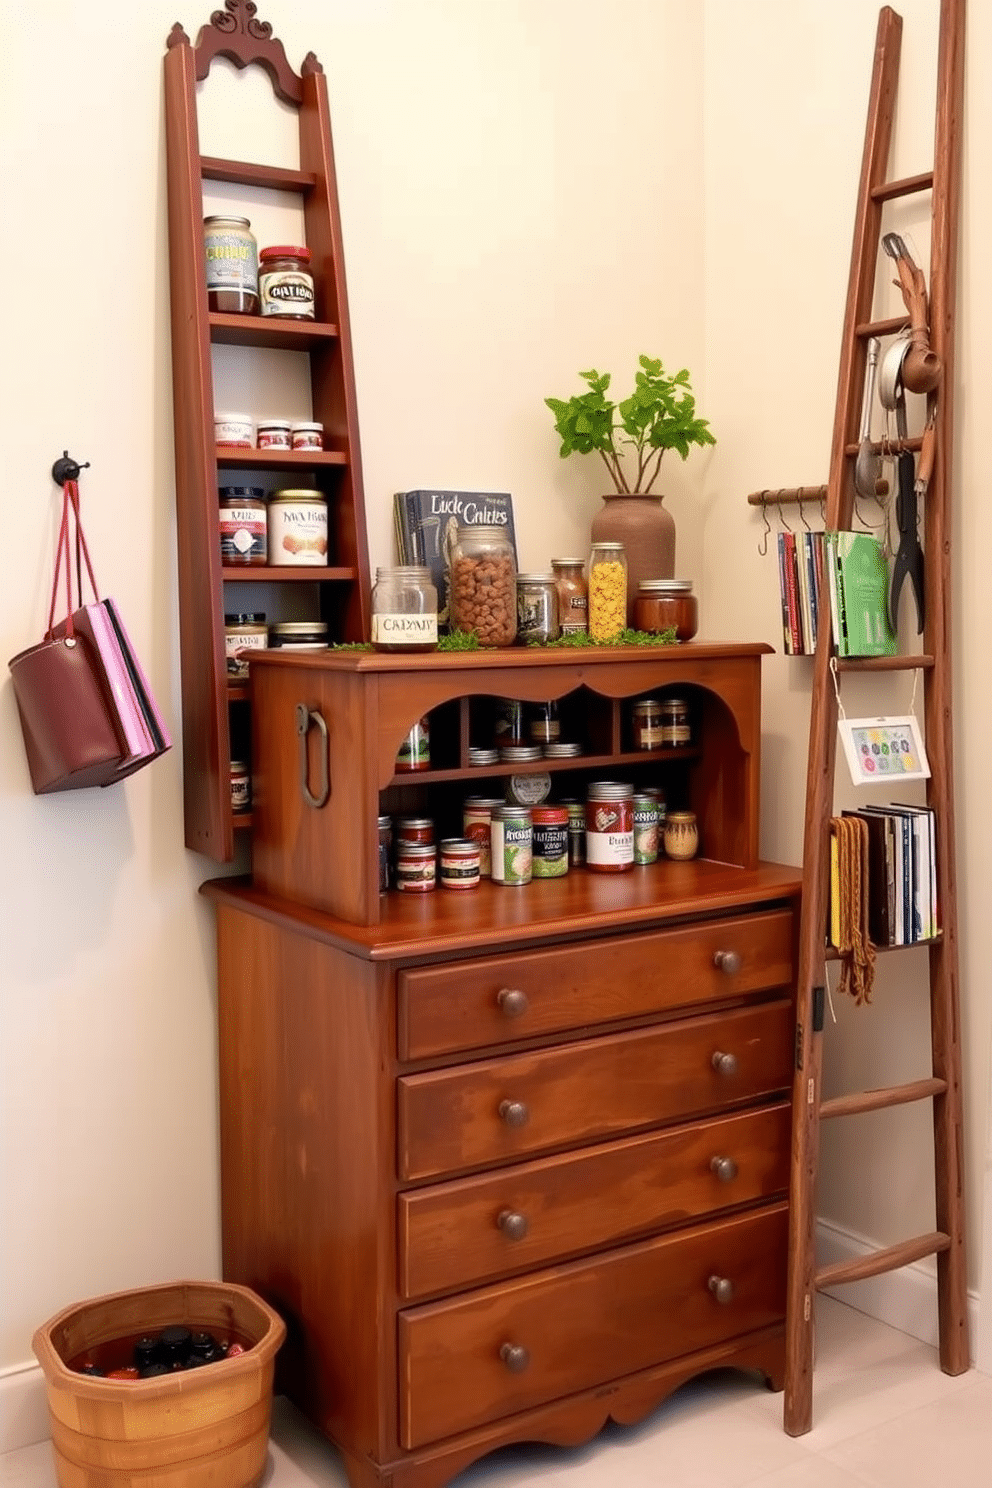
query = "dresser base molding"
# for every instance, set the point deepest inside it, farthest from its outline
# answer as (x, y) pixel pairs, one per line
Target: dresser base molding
(578, 1419)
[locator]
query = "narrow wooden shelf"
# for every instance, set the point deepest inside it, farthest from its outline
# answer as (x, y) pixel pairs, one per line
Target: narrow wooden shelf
(922, 663)
(278, 459)
(248, 173)
(504, 769)
(831, 953)
(301, 575)
(269, 331)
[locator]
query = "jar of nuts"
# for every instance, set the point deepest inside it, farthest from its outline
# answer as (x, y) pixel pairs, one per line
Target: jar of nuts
(607, 590)
(483, 594)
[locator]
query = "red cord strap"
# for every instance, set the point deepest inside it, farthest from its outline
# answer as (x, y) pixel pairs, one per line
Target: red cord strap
(63, 549)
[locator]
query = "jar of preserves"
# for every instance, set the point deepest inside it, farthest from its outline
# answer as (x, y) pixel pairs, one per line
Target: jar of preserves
(240, 787)
(298, 529)
(573, 595)
(681, 835)
(667, 604)
(232, 265)
(676, 730)
(607, 590)
(243, 526)
(418, 829)
(483, 589)
(645, 717)
(243, 632)
(477, 820)
(537, 607)
(550, 825)
(299, 635)
(285, 283)
(415, 751)
(234, 431)
(307, 436)
(512, 846)
(610, 827)
(404, 609)
(416, 868)
(645, 828)
(274, 434)
(459, 863)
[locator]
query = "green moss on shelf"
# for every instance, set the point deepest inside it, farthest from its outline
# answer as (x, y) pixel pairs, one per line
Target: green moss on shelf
(581, 638)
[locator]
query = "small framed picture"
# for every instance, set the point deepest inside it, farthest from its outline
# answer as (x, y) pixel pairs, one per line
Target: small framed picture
(882, 749)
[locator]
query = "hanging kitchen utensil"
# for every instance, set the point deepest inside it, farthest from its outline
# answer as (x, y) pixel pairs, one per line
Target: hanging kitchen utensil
(909, 554)
(868, 464)
(922, 368)
(890, 391)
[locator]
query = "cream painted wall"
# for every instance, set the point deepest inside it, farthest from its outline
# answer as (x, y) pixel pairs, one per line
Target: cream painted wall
(505, 224)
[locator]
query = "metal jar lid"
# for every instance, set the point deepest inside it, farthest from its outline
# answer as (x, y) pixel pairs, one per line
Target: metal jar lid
(562, 751)
(609, 790)
(506, 812)
(479, 756)
(297, 629)
(306, 495)
(662, 587)
(646, 705)
(459, 847)
(520, 754)
(415, 850)
(414, 823)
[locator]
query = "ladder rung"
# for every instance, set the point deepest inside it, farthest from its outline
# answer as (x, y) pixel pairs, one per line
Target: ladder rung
(866, 328)
(251, 173)
(884, 663)
(889, 447)
(903, 1254)
(908, 186)
(879, 1100)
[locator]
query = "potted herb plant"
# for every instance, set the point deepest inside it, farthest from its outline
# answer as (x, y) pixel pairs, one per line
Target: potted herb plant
(631, 437)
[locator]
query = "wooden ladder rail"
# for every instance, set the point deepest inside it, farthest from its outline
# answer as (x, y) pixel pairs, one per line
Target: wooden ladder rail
(947, 1241)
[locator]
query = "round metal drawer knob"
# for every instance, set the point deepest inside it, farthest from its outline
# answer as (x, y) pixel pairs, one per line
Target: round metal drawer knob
(514, 1113)
(725, 1168)
(727, 961)
(722, 1288)
(515, 1357)
(725, 1064)
(511, 1002)
(513, 1225)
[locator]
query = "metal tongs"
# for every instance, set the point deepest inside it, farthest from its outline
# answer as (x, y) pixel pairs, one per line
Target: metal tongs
(909, 554)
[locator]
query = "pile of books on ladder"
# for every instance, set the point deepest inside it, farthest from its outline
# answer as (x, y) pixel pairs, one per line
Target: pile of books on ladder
(902, 875)
(799, 569)
(856, 574)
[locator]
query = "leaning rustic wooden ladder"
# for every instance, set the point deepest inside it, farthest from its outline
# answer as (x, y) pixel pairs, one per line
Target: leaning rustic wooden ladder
(944, 1086)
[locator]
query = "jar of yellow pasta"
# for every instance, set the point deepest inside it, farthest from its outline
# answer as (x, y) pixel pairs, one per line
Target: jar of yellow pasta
(607, 590)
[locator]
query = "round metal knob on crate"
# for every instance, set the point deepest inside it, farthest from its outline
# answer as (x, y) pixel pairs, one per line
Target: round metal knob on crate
(512, 1002)
(722, 1288)
(515, 1357)
(725, 1064)
(725, 1168)
(513, 1225)
(514, 1113)
(728, 962)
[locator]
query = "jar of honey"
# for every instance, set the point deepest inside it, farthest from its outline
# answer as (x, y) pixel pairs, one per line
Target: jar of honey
(667, 604)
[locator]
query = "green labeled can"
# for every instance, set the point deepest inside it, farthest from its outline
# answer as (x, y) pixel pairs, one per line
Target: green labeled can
(512, 846)
(645, 829)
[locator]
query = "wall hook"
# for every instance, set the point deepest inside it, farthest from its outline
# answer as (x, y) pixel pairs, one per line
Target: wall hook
(67, 469)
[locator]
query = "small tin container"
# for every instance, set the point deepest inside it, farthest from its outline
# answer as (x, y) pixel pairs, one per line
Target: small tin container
(676, 731)
(240, 787)
(645, 828)
(307, 436)
(477, 820)
(550, 841)
(416, 868)
(460, 865)
(479, 756)
(645, 720)
(537, 607)
(234, 431)
(274, 434)
(419, 829)
(561, 751)
(512, 846)
(385, 852)
(243, 632)
(285, 283)
(576, 833)
(528, 790)
(610, 827)
(299, 635)
(298, 529)
(520, 754)
(243, 526)
(415, 751)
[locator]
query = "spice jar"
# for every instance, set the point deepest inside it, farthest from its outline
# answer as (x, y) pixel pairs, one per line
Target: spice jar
(415, 751)
(242, 632)
(676, 731)
(243, 526)
(483, 592)
(508, 724)
(299, 635)
(664, 604)
(298, 529)
(416, 868)
(645, 717)
(610, 827)
(573, 595)
(285, 284)
(307, 436)
(232, 265)
(459, 862)
(550, 825)
(537, 607)
(681, 835)
(512, 846)
(607, 590)
(544, 725)
(274, 434)
(404, 609)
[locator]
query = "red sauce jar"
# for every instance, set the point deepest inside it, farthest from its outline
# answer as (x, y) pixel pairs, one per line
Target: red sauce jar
(662, 604)
(610, 827)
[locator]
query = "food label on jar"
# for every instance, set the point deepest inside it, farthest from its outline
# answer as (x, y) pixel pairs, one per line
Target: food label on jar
(242, 533)
(608, 842)
(512, 852)
(298, 533)
(649, 736)
(287, 292)
(404, 630)
(273, 438)
(237, 667)
(415, 751)
(550, 850)
(475, 826)
(232, 262)
(575, 614)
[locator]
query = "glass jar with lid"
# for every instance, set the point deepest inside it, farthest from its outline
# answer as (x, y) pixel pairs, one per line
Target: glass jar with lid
(483, 588)
(610, 826)
(404, 609)
(232, 265)
(285, 283)
(573, 595)
(607, 590)
(537, 607)
(664, 604)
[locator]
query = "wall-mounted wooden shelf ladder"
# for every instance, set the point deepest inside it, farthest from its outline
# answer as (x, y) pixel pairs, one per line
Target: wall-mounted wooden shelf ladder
(944, 1086)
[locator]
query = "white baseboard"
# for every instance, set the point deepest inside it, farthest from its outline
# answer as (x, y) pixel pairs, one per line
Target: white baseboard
(905, 1299)
(23, 1407)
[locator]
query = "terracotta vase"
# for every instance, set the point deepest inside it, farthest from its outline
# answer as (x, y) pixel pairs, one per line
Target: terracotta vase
(647, 532)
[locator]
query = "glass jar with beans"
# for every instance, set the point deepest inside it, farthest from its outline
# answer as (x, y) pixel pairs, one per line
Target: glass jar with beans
(483, 594)
(607, 590)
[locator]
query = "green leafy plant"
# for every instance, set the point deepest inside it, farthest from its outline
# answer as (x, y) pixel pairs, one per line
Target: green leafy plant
(659, 415)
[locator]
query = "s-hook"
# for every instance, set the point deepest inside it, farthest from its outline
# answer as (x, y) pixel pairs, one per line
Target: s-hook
(763, 545)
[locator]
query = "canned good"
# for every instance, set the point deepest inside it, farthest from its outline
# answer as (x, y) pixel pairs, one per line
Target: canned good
(274, 434)
(576, 833)
(298, 529)
(477, 816)
(385, 852)
(307, 436)
(528, 790)
(415, 751)
(460, 863)
(299, 635)
(243, 632)
(234, 431)
(676, 732)
(240, 787)
(512, 846)
(550, 825)
(645, 828)
(416, 868)
(610, 827)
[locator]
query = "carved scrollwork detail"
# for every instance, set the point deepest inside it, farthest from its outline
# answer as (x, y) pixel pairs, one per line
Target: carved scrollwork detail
(235, 33)
(238, 15)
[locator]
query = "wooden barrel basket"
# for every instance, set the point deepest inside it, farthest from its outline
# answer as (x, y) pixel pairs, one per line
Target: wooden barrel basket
(189, 1429)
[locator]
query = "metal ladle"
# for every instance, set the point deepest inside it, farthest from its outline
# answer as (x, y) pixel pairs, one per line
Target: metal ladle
(868, 464)
(890, 388)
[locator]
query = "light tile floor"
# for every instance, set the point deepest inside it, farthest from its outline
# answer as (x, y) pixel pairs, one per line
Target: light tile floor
(885, 1417)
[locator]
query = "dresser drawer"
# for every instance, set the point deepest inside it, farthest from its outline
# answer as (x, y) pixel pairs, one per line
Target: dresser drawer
(456, 1235)
(470, 1004)
(581, 1325)
(493, 1110)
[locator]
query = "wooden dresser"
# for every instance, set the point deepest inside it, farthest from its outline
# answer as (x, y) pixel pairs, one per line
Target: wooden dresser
(515, 1161)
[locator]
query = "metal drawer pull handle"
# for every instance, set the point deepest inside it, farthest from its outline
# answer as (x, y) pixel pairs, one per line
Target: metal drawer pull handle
(304, 718)
(722, 1288)
(513, 1225)
(727, 961)
(515, 1357)
(514, 1113)
(725, 1064)
(725, 1168)
(512, 1003)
